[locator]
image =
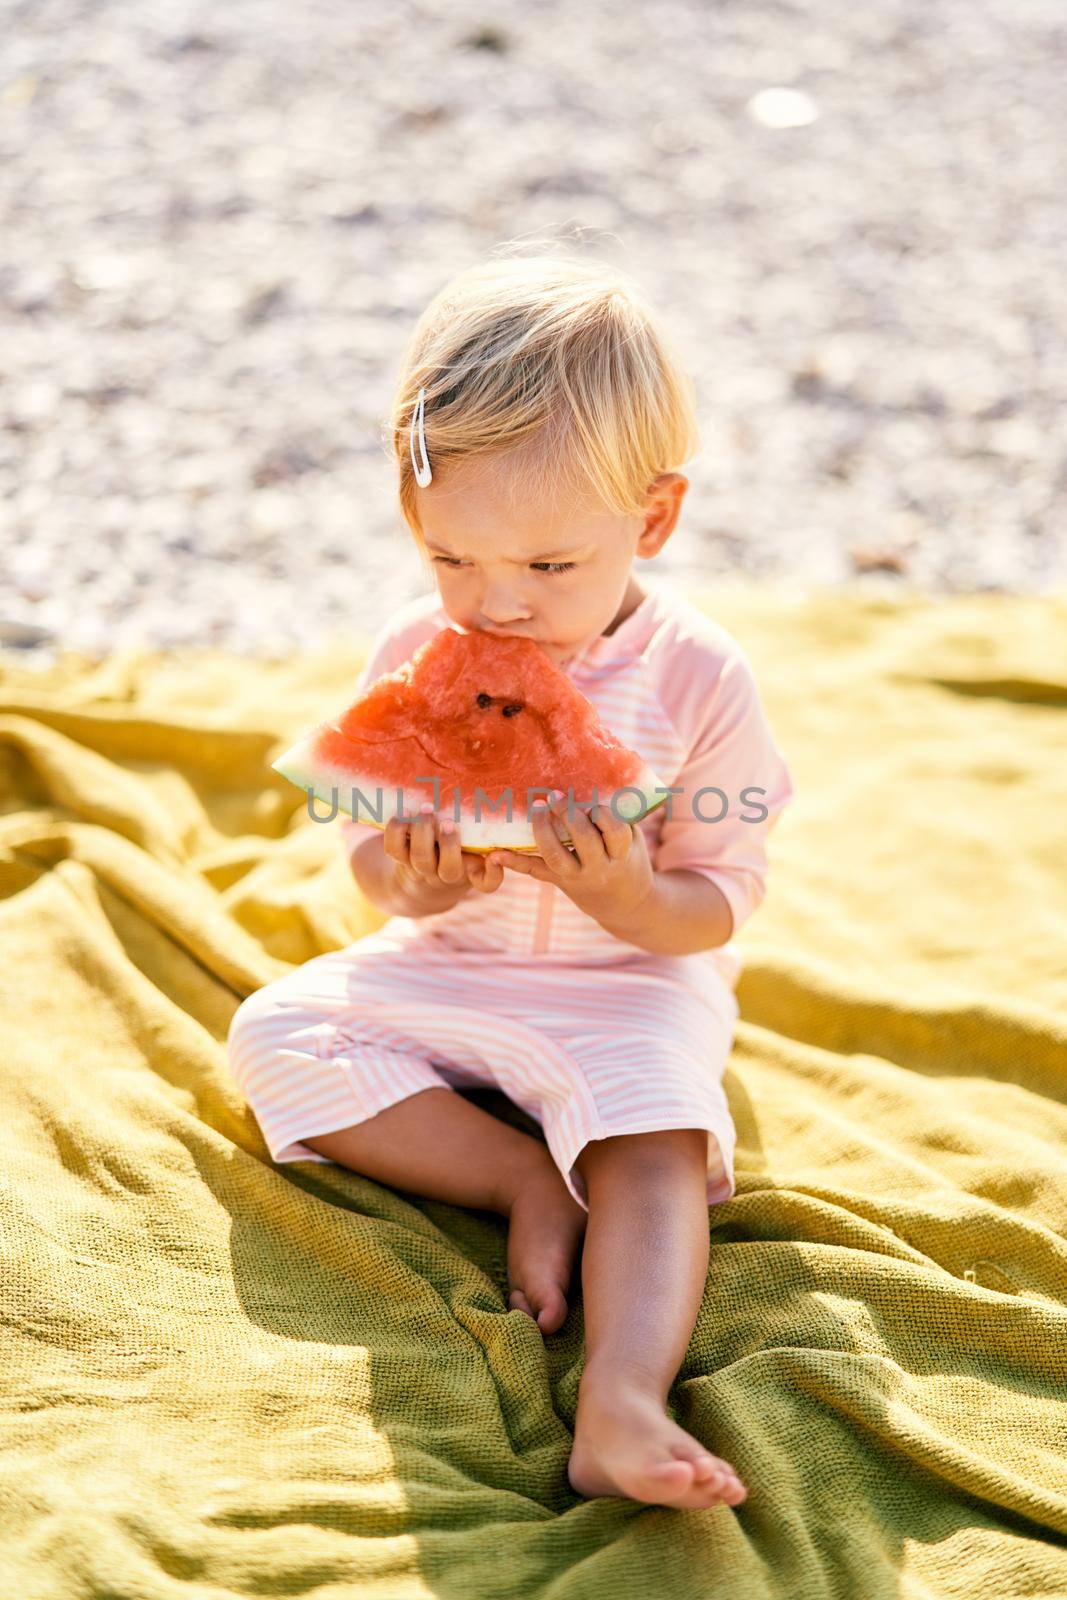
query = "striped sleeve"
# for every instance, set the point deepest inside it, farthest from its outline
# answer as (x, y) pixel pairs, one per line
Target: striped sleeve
(722, 832)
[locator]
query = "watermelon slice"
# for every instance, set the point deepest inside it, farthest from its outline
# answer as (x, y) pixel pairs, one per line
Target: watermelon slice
(495, 721)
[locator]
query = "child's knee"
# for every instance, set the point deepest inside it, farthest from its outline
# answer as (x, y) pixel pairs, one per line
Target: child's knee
(253, 1009)
(655, 1153)
(260, 1023)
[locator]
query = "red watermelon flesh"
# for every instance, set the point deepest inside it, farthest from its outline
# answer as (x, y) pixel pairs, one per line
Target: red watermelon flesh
(479, 712)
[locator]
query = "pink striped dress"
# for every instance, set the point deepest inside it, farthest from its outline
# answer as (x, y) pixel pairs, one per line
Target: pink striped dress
(519, 989)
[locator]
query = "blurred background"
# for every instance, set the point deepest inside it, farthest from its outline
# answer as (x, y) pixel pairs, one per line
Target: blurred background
(218, 224)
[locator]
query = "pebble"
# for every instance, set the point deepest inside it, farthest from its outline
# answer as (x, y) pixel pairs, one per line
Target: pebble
(220, 226)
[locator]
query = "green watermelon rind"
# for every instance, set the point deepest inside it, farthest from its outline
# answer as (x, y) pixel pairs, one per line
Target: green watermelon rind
(477, 836)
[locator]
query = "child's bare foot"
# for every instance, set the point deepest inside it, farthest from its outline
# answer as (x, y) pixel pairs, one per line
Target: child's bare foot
(625, 1444)
(545, 1225)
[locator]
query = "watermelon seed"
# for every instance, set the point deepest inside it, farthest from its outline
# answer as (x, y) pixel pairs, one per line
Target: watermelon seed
(484, 700)
(511, 711)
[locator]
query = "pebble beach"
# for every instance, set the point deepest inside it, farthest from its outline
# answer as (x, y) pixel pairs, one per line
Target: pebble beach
(219, 225)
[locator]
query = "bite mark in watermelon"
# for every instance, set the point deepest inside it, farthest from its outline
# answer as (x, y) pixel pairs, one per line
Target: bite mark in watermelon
(480, 713)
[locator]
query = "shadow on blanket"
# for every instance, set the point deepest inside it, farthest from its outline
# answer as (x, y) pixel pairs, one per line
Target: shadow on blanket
(223, 1377)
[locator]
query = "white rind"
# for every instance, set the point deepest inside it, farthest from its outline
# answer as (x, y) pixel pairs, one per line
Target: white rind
(368, 800)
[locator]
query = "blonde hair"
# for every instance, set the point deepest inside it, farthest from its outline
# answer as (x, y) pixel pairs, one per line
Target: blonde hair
(552, 352)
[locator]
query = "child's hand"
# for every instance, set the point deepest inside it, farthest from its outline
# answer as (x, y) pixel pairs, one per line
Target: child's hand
(482, 873)
(429, 862)
(608, 873)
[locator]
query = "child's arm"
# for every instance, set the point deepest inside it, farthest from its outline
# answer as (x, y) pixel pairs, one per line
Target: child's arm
(710, 866)
(733, 787)
(608, 874)
(684, 912)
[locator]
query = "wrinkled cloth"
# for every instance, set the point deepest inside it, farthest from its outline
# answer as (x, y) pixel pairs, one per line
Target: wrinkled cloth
(223, 1376)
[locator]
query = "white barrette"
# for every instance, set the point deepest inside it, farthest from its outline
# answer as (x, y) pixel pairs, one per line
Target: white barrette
(423, 474)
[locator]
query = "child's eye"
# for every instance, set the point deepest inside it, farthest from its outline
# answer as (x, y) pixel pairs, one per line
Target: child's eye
(538, 566)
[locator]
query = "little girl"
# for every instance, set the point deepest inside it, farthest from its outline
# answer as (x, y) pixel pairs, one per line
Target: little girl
(539, 421)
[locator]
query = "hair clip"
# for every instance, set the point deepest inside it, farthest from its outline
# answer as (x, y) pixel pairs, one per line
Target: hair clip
(423, 474)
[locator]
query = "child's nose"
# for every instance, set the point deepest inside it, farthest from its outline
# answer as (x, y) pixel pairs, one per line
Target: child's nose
(504, 617)
(504, 621)
(502, 608)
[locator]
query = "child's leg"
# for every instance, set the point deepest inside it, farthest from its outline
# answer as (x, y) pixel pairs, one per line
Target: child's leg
(644, 1267)
(438, 1144)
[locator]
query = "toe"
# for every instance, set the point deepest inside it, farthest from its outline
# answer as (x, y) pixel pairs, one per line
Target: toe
(672, 1475)
(728, 1484)
(705, 1468)
(671, 1483)
(518, 1302)
(711, 1472)
(552, 1312)
(699, 1494)
(727, 1474)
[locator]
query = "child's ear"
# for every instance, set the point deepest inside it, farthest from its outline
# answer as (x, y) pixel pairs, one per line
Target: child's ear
(662, 508)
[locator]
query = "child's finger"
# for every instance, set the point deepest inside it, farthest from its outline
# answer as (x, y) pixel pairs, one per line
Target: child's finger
(616, 833)
(481, 876)
(495, 871)
(450, 859)
(395, 839)
(472, 866)
(423, 843)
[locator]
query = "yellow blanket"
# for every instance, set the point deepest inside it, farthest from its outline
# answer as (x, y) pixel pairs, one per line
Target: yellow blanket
(224, 1378)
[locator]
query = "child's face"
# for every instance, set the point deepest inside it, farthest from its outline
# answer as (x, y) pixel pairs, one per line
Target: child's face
(495, 553)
